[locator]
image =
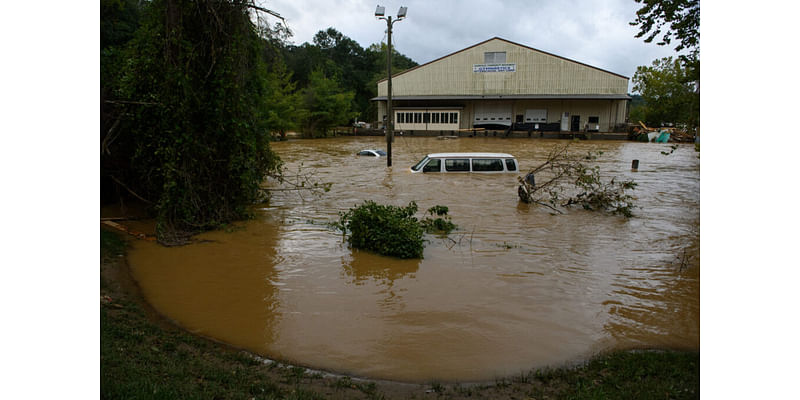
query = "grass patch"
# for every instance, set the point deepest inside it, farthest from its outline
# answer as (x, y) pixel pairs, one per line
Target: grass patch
(139, 360)
(624, 375)
(111, 245)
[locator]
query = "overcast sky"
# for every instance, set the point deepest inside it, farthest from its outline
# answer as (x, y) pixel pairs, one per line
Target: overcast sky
(595, 32)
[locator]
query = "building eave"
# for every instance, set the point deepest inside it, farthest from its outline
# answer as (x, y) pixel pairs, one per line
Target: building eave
(512, 97)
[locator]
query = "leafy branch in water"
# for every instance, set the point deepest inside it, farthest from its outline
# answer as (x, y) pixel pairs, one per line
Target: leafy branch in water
(301, 181)
(568, 181)
(440, 224)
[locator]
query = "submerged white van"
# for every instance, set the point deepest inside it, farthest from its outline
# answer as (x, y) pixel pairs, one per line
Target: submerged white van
(467, 162)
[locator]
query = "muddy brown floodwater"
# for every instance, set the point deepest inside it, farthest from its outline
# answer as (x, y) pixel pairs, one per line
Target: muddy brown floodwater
(514, 288)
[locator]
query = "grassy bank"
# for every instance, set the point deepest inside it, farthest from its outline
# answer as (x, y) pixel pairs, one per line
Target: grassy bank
(144, 357)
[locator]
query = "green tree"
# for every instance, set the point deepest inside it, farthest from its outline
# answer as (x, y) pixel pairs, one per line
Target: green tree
(194, 89)
(679, 20)
(352, 65)
(683, 17)
(355, 68)
(327, 104)
(669, 94)
(283, 104)
(377, 56)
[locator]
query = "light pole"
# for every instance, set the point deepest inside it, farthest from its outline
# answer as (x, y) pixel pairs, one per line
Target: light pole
(401, 13)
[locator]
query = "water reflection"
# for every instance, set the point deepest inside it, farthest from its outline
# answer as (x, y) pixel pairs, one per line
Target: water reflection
(362, 265)
(516, 287)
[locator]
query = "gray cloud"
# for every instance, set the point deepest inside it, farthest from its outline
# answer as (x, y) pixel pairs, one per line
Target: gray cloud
(594, 32)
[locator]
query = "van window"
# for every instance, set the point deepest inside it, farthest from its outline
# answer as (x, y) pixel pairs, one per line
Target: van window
(488, 164)
(420, 164)
(435, 165)
(456, 165)
(510, 165)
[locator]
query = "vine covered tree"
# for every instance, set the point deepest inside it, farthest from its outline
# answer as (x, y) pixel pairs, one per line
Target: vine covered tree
(194, 124)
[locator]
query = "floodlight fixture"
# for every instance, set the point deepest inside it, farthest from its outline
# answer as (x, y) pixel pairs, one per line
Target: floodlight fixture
(380, 13)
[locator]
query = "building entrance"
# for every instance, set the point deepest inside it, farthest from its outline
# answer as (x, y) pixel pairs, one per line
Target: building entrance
(575, 126)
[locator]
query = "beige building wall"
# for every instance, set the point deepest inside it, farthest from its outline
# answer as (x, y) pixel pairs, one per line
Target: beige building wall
(539, 81)
(537, 73)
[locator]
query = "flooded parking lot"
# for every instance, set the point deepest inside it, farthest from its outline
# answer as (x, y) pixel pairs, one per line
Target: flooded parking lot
(514, 288)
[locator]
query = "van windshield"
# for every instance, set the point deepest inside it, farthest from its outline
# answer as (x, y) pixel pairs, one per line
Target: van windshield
(420, 164)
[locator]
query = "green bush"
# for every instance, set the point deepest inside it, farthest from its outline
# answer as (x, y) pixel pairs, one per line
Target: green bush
(440, 224)
(387, 230)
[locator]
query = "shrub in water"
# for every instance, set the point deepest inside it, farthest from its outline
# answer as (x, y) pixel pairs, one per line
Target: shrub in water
(387, 230)
(441, 223)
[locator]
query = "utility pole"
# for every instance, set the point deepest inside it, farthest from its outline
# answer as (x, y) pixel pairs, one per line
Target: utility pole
(379, 12)
(389, 113)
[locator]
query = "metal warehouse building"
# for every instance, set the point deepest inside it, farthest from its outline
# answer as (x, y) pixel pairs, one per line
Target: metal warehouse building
(498, 84)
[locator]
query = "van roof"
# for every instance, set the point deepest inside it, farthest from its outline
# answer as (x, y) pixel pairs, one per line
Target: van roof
(471, 155)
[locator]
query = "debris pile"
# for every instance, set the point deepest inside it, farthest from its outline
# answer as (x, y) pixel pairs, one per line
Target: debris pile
(660, 135)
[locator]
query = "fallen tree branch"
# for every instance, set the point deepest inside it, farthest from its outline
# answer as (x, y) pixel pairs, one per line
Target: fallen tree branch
(568, 181)
(129, 190)
(141, 103)
(262, 9)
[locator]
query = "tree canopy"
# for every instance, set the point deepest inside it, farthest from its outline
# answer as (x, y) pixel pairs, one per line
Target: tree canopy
(670, 89)
(682, 17)
(343, 60)
(669, 94)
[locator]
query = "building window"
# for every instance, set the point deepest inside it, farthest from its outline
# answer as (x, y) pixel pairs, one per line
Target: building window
(401, 118)
(417, 118)
(594, 120)
(494, 57)
(453, 118)
(435, 118)
(444, 117)
(426, 118)
(409, 117)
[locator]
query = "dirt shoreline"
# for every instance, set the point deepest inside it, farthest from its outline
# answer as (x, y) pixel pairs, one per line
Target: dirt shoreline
(121, 296)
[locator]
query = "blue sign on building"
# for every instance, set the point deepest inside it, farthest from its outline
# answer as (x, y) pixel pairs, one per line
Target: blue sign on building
(494, 67)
